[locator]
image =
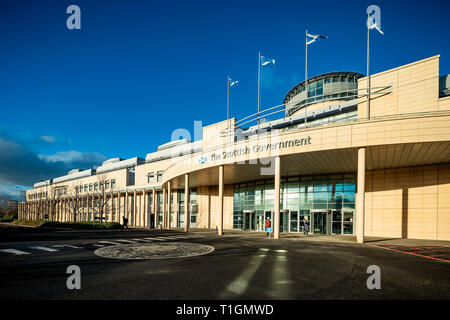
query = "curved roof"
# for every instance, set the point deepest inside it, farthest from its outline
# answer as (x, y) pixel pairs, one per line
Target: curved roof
(296, 88)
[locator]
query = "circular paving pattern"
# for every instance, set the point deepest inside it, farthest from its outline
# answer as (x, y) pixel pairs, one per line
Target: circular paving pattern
(164, 250)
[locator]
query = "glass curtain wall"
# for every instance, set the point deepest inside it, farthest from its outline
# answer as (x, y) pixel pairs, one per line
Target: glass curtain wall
(326, 201)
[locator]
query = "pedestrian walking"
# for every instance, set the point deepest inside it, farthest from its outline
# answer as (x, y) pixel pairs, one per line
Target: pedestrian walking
(268, 225)
(125, 223)
(305, 226)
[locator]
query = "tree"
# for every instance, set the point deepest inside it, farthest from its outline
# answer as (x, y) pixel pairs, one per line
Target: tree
(101, 204)
(73, 201)
(52, 197)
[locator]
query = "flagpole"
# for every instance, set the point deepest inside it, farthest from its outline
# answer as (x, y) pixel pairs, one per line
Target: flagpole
(228, 109)
(368, 75)
(306, 70)
(259, 81)
(228, 97)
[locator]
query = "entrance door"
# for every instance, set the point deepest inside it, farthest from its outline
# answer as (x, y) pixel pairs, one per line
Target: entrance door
(152, 221)
(319, 222)
(347, 221)
(284, 220)
(293, 221)
(249, 220)
(336, 217)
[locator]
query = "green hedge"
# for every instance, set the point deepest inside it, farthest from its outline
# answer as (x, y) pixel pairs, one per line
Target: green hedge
(71, 225)
(6, 219)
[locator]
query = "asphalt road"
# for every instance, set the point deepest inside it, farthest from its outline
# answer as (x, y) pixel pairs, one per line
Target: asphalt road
(33, 265)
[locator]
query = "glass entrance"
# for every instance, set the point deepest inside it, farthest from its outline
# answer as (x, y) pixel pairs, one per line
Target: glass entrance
(296, 220)
(336, 216)
(293, 221)
(249, 219)
(284, 220)
(320, 222)
(347, 221)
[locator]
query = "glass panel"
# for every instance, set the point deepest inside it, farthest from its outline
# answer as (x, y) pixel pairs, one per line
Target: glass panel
(337, 222)
(293, 221)
(348, 222)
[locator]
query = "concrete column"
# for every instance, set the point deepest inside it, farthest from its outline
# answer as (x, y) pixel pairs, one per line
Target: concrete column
(361, 176)
(93, 207)
(135, 213)
(145, 211)
(110, 207)
(118, 208)
(187, 217)
(176, 213)
(126, 206)
(87, 208)
(169, 205)
(220, 231)
(164, 208)
(276, 218)
(141, 214)
(154, 209)
(101, 203)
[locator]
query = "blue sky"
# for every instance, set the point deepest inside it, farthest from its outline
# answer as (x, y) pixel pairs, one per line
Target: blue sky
(137, 70)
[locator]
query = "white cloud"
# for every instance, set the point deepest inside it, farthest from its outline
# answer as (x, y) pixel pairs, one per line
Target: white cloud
(73, 156)
(48, 139)
(20, 165)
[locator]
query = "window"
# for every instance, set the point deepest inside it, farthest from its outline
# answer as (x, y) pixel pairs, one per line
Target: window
(130, 176)
(113, 184)
(90, 187)
(95, 186)
(107, 184)
(85, 188)
(151, 177)
(159, 176)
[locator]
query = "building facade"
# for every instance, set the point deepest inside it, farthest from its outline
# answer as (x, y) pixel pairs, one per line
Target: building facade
(345, 163)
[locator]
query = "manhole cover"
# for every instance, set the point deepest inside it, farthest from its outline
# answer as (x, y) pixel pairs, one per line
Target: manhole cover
(165, 250)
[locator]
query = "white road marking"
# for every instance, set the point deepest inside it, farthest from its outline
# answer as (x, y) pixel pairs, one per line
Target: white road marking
(109, 242)
(44, 249)
(239, 285)
(157, 239)
(143, 240)
(98, 245)
(66, 246)
(14, 251)
(126, 241)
